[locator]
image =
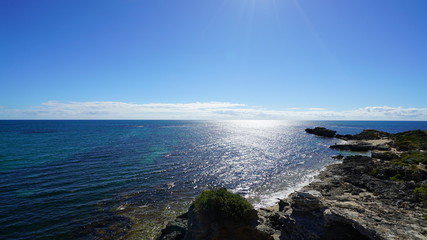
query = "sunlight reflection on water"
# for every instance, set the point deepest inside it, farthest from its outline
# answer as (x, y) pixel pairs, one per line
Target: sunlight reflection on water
(148, 174)
(263, 160)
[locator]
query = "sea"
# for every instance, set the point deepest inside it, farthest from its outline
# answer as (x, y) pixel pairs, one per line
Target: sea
(66, 179)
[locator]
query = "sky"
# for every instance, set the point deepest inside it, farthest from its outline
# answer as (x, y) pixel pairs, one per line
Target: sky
(213, 59)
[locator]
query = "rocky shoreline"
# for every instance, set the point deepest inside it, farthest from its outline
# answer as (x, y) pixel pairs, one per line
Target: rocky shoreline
(378, 197)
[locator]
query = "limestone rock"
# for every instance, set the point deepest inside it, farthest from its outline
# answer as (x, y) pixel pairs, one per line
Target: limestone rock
(176, 229)
(321, 131)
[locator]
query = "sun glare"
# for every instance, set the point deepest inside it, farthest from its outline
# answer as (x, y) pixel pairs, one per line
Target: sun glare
(256, 123)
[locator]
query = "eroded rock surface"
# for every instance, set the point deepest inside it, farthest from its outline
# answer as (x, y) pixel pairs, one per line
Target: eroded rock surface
(347, 202)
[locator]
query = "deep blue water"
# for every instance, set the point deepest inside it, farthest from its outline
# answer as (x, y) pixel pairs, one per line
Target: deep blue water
(123, 179)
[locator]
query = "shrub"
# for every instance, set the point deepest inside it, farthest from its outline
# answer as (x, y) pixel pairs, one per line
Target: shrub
(414, 158)
(411, 158)
(421, 193)
(397, 177)
(411, 140)
(375, 171)
(224, 205)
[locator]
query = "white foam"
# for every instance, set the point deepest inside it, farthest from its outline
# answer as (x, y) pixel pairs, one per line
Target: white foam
(270, 199)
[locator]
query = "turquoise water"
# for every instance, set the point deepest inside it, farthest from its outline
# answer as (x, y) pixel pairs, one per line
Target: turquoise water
(123, 179)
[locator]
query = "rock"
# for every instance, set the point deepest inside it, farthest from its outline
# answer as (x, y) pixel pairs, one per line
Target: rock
(176, 229)
(384, 155)
(368, 134)
(359, 147)
(339, 157)
(304, 202)
(202, 227)
(283, 205)
(318, 224)
(383, 147)
(348, 202)
(344, 137)
(371, 134)
(172, 236)
(321, 131)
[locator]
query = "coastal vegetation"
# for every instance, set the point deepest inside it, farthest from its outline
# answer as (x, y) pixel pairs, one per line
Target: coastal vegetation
(410, 140)
(223, 205)
(398, 177)
(411, 159)
(218, 214)
(421, 193)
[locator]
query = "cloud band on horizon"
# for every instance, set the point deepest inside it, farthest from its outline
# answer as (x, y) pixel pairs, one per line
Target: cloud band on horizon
(202, 111)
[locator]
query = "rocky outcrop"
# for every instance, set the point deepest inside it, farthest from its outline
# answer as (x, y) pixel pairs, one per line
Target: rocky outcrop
(349, 202)
(339, 157)
(367, 134)
(361, 147)
(384, 155)
(176, 229)
(206, 227)
(306, 217)
(353, 147)
(216, 215)
(321, 131)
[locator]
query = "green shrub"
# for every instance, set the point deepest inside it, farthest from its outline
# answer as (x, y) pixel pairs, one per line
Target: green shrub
(397, 177)
(375, 171)
(411, 159)
(224, 205)
(421, 193)
(399, 163)
(414, 158)
(411, 140)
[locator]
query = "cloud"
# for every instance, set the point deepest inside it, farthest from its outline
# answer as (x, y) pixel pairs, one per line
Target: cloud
(202, 110)
(392, 113)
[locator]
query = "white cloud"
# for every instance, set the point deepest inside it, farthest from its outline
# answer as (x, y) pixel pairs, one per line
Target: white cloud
(392, 113)
(317, 109)
(202, 110)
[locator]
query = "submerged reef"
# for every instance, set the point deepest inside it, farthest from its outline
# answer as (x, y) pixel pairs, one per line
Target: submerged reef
(378, 197)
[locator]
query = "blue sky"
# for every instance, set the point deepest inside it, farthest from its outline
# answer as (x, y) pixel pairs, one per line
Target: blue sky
(213, 59)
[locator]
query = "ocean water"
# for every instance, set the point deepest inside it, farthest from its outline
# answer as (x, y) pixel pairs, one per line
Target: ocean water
(124, 179)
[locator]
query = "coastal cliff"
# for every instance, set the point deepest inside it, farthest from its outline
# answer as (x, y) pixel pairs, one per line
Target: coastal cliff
(378, 197)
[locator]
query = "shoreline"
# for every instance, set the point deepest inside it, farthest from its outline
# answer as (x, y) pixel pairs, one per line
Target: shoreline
(308, 179)
(354, 199)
